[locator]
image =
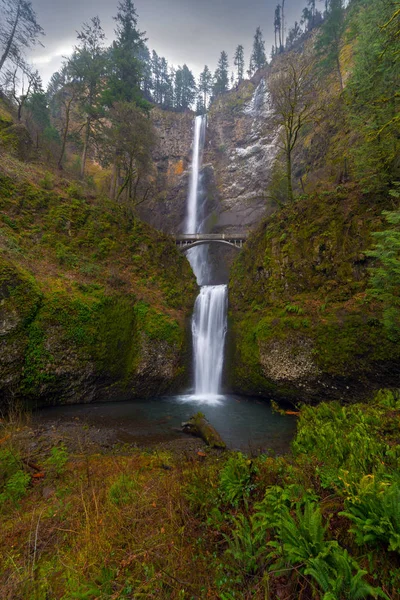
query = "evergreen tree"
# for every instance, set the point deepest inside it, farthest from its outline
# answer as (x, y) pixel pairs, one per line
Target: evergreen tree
(185, 88)
(125, 66)
(205, 85)
(221, 77)
(258, 59)
(88, 66)
(239, 62)
(146, 72)
(328, 43)
(19, 29)
(38, 114)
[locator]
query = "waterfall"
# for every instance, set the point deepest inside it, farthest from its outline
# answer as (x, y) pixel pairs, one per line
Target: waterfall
(209, 321)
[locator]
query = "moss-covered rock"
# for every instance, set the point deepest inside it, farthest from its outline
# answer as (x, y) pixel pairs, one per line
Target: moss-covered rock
(303, 326)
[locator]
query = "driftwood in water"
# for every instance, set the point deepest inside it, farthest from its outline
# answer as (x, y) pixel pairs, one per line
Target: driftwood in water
(199, 426)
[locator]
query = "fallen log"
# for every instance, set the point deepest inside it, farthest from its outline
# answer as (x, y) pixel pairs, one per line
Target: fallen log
(200, 427)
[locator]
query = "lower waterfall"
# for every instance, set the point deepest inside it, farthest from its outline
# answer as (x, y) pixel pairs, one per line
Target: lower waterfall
(208, 329)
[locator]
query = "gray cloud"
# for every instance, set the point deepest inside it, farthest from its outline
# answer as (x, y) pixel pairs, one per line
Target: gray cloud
(184, 31)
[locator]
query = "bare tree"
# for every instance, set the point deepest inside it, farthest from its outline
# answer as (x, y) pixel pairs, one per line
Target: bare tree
(293, 98)
(19, 29)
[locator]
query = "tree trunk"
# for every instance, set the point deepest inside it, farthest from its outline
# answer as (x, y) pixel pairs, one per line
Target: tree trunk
(65, 134)
(199, 426)
(11, 38)
(289, 175)
(85, 148)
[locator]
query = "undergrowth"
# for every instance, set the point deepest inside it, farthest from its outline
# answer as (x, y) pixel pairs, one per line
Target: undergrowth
(321, 523)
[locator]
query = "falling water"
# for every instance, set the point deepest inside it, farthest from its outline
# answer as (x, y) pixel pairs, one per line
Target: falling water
(209, 319)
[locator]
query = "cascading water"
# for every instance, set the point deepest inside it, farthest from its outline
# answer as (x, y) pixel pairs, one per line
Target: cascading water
(209, 319)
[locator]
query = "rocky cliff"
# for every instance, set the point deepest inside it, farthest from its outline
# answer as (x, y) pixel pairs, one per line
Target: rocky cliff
(240, 148)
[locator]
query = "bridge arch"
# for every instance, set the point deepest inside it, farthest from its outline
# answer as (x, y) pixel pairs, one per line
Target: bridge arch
(187, 241)
(185, 246)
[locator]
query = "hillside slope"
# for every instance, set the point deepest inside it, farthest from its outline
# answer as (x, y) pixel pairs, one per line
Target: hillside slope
(93, 302)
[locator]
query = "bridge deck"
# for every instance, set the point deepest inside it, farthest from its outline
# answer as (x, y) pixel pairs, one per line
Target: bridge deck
(193, 237)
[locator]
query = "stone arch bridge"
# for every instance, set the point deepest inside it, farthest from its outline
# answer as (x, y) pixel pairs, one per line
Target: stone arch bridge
(187, 241)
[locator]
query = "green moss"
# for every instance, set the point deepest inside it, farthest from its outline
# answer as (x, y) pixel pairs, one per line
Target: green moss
(157, 325)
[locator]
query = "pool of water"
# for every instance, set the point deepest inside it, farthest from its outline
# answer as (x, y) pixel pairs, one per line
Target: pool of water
(245, 424)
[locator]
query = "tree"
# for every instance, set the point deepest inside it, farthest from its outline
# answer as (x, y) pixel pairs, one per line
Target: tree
(63, 93)
(328, 43)
(38, 114)
(20, 80)
(205, 85)
(292, 93)
(19, 29)
(131, 138)
(88, 66)
(185, 88)
(221, 77)
(258, 59)
(125, 66)
(239, 62)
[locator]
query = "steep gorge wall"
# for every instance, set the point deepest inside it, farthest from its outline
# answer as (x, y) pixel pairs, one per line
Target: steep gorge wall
(240, 148)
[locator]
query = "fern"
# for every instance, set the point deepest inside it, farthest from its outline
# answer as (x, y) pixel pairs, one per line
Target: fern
(375, 513)
(235, 480)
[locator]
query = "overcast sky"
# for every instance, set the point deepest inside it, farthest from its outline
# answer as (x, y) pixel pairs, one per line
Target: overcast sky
(184, 31)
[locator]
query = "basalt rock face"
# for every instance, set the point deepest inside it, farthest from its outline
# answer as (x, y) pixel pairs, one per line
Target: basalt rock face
(240, 148)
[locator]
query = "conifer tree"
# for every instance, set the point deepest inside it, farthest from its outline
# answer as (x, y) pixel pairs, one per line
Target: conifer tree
(125, 66)
(205, 85)
(258, 58)
(221, 77)
(88, 66)
(185, 88)
(239, 62)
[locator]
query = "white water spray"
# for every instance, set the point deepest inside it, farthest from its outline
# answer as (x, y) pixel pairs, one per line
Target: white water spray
(209, 319)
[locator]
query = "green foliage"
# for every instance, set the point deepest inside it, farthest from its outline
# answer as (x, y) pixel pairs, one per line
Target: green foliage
(14, 480)
(58, 459)
(344, 437)
(301, 543)
(47, 183)
(235, 479)
(372, 92)
(123, 490)
(373, 507)
(385, 277)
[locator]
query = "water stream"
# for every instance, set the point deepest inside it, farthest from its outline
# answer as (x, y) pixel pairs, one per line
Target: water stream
(209, 321)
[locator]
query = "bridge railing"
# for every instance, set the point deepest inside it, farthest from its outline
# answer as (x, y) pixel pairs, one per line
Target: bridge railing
(192, 237)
